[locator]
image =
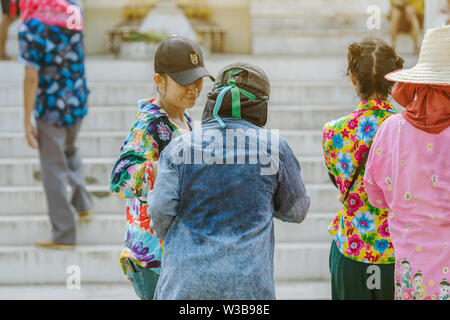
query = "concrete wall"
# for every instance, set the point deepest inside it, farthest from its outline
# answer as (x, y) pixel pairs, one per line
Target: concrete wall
(234, 16)
(434, 18)
(97, 22)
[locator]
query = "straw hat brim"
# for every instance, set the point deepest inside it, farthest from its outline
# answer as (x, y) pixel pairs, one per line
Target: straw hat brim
(433, 66)
(421, 75)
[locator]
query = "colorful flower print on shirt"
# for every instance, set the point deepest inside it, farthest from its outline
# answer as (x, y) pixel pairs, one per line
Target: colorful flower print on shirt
(359, 227)
(132, 178)
(367, 128)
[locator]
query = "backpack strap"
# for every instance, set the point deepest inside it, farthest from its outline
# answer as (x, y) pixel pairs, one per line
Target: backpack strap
(333, 179)
(358, 170)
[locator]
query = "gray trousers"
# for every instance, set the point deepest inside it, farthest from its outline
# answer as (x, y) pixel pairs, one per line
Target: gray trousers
(61, 163)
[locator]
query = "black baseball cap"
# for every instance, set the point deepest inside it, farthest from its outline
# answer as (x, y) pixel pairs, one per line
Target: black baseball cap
(182, 59)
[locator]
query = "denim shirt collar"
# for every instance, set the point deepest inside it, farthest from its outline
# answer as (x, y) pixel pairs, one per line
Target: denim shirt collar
(213, 122)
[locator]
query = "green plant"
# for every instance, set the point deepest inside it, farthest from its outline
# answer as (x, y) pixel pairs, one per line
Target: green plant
(144, 37)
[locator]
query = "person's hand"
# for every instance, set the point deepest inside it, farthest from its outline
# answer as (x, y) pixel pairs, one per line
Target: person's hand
(31, 135)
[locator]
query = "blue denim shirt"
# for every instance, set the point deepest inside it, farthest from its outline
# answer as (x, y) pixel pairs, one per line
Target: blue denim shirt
(216, 214)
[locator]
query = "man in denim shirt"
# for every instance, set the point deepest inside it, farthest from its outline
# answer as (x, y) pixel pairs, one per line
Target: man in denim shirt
(217, 191)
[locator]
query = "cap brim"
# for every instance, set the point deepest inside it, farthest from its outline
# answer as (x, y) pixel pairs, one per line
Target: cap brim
(187, 77)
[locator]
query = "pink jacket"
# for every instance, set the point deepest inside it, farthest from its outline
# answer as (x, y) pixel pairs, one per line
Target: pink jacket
(408, 171)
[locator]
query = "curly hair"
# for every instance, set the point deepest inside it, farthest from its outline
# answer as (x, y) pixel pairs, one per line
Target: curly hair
(368, 62)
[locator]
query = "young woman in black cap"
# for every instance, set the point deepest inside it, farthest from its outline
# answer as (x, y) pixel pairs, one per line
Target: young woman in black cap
(179, 73)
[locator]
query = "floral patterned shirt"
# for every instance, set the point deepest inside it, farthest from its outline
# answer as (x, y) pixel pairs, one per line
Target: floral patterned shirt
(132, 178)
(360, 230)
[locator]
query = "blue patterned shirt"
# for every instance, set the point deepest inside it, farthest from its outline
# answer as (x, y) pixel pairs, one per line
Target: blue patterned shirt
(58, 54)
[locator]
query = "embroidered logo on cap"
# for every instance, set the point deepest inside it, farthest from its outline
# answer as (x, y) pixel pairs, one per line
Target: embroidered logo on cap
(194, 59)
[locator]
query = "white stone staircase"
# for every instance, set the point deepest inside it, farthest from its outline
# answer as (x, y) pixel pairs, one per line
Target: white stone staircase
(319, 27)
(308, 89)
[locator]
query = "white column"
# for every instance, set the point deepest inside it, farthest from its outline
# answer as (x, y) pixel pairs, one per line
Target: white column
(433, 16)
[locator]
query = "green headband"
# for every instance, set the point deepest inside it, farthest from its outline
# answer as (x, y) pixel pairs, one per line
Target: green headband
(235, 100)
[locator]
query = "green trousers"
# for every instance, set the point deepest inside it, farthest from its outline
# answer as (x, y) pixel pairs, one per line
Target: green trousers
(353, 280)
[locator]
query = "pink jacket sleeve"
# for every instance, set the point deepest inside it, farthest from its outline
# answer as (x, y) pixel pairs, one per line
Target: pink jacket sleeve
(374, 168)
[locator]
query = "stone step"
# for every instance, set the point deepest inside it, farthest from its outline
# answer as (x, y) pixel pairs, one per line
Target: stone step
(313, 229)
(109, 229)
(303, 290)
(22, 265)
(290, 67)
(104, 69)
(323, 15)
(284, 290)
(129, 93)
(318, 8)
(302, 261)
(31, 200)
(107, 144)
(120, 118)
(310, 23)
(98, 291)
(313, 170)
(333, 42)
(318, 27)
(27, 171)
(103, 229)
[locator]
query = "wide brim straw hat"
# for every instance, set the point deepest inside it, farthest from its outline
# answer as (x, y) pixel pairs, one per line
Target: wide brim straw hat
(433, 66)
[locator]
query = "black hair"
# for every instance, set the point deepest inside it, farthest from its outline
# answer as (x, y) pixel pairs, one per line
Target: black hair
(369, 61)
(404, 261)
(163, 76)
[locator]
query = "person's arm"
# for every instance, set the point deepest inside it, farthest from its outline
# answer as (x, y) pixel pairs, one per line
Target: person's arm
(30, 85)
(374, 193)
(134, 172)
(163, 200)
(32, 49)
(326, 157)
(291, 200)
